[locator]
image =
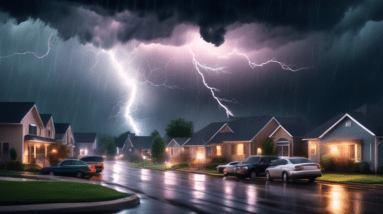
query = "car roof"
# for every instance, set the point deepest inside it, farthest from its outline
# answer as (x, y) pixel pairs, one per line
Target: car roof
(263, 156)
(291, 157)
(92, 157)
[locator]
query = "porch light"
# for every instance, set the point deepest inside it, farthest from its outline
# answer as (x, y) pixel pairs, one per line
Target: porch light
(199, 156)
(259, 151)
(334, 150)
(54, 151)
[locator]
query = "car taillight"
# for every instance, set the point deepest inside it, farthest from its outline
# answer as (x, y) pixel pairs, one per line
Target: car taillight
(102, 164)
(319, 167)
(92, 168)
(297, 168)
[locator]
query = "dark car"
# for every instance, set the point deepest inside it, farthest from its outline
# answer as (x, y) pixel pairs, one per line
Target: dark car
(96, 161)
(220, 168)
(70, 167)
(254, 166)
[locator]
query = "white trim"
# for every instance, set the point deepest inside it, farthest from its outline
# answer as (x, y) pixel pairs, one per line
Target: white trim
(346, 115)
(239, 141)
(370, 151)
(280, 126)
(186, 142)
(273, 118)
(218, 132)
(174, 142)
(307, 139)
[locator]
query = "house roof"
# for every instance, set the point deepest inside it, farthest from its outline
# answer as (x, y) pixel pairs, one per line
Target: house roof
(141, 142)
(293, 125)
(368, 116)
(244, 129)
(14, 112)
(181, 140)
(61, 128)
(45, 118)
(201, 137)
(85, 137)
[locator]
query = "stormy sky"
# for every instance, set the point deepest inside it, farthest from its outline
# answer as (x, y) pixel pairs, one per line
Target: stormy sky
(113, 66)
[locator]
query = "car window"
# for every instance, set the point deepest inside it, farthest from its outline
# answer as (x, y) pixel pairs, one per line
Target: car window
(300, 160)
(252, 160)
(233, 163)
(279, 162)
(65, 163)
(85, 159)
(273, 159)
(265, 160)
(80, 162)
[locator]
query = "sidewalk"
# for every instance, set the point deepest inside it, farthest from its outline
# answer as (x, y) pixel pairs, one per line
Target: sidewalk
(90, 207)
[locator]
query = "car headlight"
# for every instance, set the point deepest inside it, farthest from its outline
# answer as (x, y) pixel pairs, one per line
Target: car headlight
(243, 168)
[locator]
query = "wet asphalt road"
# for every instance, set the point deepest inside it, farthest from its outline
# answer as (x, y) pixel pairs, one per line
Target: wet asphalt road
(179, 192)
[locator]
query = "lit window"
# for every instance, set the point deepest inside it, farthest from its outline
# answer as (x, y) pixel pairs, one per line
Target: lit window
(219, 151)
(348, 123)
(240, 150)
(313, 149)
(259, 151)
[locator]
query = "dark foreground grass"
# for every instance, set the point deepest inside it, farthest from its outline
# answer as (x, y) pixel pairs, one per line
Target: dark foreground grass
(40, 192)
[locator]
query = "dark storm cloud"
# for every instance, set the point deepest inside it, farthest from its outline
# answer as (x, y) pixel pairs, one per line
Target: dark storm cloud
(149, 20)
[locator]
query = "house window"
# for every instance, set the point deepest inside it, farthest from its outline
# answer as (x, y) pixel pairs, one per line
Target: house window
(171, 151)
(5, 148)
(233, 149)
(348, 123)
(208, 151)
(313, 149)
(49, 133)
(219, 153)
(32, 129)
(283, 150)
(259, 151)
(240, 149)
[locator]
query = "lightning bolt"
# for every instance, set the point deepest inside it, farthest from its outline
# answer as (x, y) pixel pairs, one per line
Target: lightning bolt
(251, 64)
(33, 53)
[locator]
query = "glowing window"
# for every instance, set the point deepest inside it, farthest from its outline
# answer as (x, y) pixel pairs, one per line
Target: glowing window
(313, 149)
(219, 153)
(259, 151)
(348, 123)
(240, 150)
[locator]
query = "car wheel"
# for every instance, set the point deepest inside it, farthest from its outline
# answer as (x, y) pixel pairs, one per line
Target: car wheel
(253, 175)
(79, 174)
(268, 178)
(51, 173)
(285, 177)
(311, 180)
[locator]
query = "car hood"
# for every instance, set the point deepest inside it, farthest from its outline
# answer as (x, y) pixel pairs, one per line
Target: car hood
(244, 164)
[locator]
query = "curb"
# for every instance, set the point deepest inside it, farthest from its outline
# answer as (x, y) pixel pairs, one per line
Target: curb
(92, 207)
(353, 184)
(197, 172)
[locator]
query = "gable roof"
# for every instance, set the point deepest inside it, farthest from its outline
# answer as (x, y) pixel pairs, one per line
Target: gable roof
(201, 137)
(293, 125)
(85, 137)
(14, 112)
(244, 129)
(141, 142)
(45, 118)
(61, 128)
(369, 117)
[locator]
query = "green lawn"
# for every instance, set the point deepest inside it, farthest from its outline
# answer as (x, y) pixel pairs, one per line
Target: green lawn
(148, 165)
(37, 192)
(357, 178)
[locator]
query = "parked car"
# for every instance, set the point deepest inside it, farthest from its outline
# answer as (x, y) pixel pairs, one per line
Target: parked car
(70, 167)
(220, 168)
(254, 166)
(96, 161)
(293, 168)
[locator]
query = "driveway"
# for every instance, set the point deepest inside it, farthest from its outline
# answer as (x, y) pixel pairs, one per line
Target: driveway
(181, 192)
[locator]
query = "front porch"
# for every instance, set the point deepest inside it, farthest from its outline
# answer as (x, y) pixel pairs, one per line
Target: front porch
(36, 150)
(342, 150)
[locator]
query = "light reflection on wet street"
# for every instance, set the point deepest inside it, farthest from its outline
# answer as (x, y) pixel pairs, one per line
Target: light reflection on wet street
(181, 192)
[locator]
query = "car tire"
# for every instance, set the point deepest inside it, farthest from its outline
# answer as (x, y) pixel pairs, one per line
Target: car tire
(79, 174)
(51, 173)
(253, 175)
(285, 177)
(311, 180)
(268, 178)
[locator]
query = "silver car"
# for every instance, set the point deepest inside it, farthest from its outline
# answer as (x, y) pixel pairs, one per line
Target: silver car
(293, 168)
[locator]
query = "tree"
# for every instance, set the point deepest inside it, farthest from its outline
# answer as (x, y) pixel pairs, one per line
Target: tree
(267, 147)
(109, 145)
(180, 128)
(13, 154)
(120, 140)
(158, 149)
(155, 133)
(56, 152)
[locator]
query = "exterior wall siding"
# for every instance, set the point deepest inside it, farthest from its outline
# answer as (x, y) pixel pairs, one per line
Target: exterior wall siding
(12, 134)
(264, 133)
(32, 117)
(281, 133)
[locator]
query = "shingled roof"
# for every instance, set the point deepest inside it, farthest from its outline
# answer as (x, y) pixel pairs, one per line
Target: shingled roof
(61, 128)
(14, 112)
(85, 137)
(201, 137)
(141, 142)
(293, 125)
(45, 118)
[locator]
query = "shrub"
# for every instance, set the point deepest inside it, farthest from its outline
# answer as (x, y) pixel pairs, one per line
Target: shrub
(13, 154)
(327, 164)
(364, 167)
(15, 165)
(3, 166)
(267, 147)
(158, 149)
(53, 161)
(215, 161)
(181, 166)
(380, 170)
(135, 157)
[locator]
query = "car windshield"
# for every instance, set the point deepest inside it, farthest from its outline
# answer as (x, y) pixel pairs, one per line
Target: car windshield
(80, 162)
(300, 160)
(252, 160)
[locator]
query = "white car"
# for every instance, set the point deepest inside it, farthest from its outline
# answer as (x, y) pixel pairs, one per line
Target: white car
(293, 168)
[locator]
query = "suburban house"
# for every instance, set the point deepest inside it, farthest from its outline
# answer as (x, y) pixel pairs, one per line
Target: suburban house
(287, 137)
(64, 135)
(22, 129)
(174, 148)
(86, 143)
(357, 135)
(139, 144)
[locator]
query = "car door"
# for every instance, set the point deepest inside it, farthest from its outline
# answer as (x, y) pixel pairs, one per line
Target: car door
(273, 168)
(280, 168)
(263, 164)
(64, 167)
